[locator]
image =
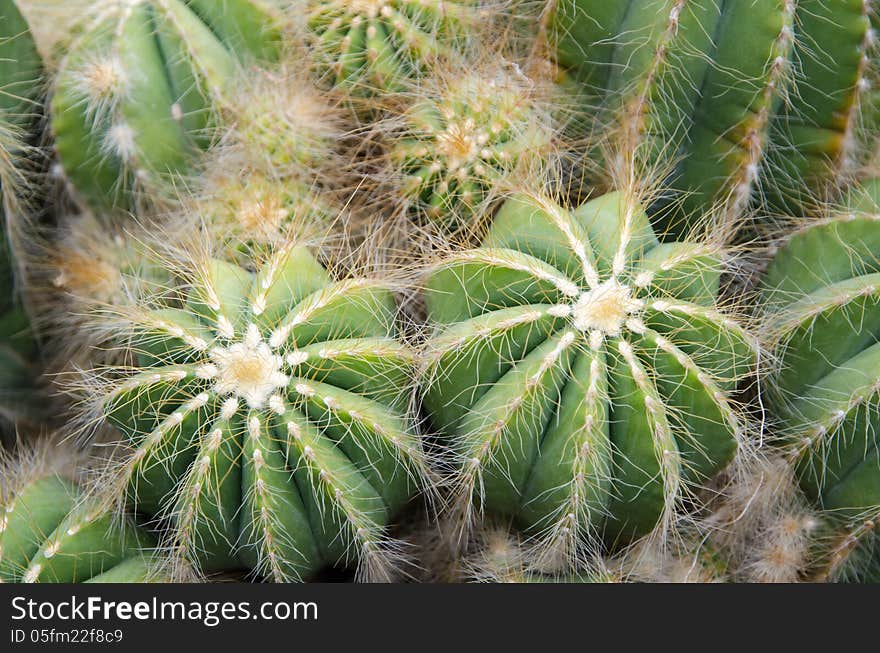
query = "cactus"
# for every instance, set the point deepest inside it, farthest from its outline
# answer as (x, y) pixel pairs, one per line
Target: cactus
(21, 75)
(271, 173)
(471, 130)
(582, 373)
(141, 86)
(267, 418)
(50, 532)
(823, 320)
(371, 46)
(754, 100)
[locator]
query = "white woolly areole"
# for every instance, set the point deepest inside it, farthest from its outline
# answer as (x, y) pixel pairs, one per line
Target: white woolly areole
(249, 370)
(605, 308)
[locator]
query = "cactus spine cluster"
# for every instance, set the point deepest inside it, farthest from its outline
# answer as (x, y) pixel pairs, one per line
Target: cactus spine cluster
(379, 45)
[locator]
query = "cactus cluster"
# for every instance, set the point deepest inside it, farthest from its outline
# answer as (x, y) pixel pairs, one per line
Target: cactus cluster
(824, 326)
(446, 290)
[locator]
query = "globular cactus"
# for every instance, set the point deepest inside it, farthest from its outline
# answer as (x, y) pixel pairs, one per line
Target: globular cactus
(50, 532)
(275, 169)
(822, 302)
(583, 373)
(267, 418)
(142, 85)
(472, 129)
(371, 46)
(751, 101)
(501, 557)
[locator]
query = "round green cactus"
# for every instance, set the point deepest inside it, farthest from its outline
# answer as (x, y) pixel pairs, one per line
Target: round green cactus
(582, 372)
(50, 533)
(468, 133)
(376, 45)
(141, 85)
(268, 419)
(758, 100)
(822, 292)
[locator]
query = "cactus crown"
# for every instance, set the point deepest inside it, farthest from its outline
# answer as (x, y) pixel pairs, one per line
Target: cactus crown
(473, 129)
(268, 418)
(582, 371)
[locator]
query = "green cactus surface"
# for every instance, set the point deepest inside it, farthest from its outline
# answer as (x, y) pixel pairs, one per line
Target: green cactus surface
(822, 291)
(582, 372)
(268, 419)
(751, 100)
(21, 75)
(377, 45)
(466, 136)
(49, 535)
(142, 83)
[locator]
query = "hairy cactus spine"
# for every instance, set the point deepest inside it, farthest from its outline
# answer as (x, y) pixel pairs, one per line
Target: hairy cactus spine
(752, 101)
(371, 46)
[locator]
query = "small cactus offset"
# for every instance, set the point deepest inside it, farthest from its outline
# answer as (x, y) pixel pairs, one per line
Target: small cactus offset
(473, 129)
(370, 46)
(822, 293)
(51, 532)
(582, 372)
(140, 87)
(267, 419)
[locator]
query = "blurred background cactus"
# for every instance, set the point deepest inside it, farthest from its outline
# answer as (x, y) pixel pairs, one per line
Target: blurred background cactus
(141, 86)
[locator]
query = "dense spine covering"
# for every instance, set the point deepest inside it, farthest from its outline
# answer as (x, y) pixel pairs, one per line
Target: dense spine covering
(582, 372)
(268, 419)
(472, 130)
(823, 322)
(750, 101)
(141, 85)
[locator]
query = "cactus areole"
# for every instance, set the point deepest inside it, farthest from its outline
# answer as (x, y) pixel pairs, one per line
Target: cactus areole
(269, 419)
(581, 370)
(141, 86)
